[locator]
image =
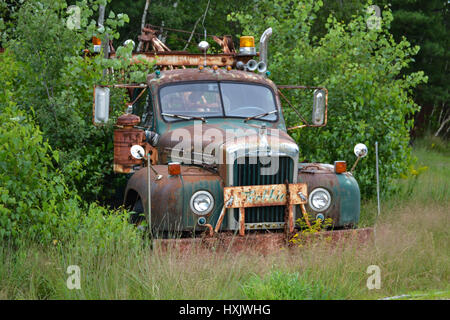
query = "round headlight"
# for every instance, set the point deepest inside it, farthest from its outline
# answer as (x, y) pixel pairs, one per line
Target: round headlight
(319, 199)
(202, 202)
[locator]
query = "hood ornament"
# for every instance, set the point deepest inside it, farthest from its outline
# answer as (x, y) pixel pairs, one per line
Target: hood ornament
(264, 147)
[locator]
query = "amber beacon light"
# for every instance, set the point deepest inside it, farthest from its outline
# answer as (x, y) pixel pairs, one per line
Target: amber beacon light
(97, 43)
(247, 45)
(340, 166)
(174, 168)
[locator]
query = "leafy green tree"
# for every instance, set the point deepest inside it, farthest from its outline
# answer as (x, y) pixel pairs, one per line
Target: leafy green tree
(343, 11)
(31, 192)
(8, 8)
(368, 99)
(423, 23)
(56, 79)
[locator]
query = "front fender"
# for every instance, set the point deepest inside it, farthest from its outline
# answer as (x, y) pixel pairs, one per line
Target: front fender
(344, 190)
(170, 210)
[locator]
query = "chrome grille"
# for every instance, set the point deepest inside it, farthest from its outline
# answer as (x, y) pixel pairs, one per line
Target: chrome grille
(247, 172)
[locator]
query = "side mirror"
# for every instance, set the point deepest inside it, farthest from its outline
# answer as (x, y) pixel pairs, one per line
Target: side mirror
(360, 150)
(101, 104)
(318, 115)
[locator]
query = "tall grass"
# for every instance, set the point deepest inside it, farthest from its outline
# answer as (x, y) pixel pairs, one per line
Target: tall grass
(427, 183)
(410, 247)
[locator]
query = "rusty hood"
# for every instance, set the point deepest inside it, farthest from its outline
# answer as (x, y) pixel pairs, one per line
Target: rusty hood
(223, 140)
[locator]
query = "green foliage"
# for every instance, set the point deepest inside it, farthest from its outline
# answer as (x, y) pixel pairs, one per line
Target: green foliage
(308, 229)
(56, 80)
(35, 201)
(368, 100)
(279, 285)
(423, 23)
(31, 193)
(343, 11)
(8, 8)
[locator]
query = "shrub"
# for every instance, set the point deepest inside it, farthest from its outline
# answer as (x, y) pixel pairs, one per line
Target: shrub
(35, 201)
(31, 193)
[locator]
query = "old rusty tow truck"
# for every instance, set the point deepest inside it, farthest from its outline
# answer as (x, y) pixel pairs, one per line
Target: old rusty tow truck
(208, 152)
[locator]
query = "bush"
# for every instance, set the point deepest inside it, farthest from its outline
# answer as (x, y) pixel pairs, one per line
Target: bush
(368, 99)
(31, 192)
(35, 201)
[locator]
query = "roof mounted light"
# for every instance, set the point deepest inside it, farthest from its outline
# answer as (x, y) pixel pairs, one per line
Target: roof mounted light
(247, 46)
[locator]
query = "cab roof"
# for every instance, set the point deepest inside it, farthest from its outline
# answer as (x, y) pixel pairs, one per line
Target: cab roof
(206, 74)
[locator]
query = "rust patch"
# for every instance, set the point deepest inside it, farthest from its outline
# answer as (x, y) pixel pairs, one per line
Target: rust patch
(124, 138)
(265, 243)
(265, 195)
(182, 58)
(207, 74)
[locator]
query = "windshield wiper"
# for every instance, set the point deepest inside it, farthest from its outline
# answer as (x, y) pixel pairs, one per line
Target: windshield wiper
(183, 117)
(260, 115)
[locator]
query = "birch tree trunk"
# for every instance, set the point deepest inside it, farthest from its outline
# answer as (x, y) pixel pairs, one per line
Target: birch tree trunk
(144, 15)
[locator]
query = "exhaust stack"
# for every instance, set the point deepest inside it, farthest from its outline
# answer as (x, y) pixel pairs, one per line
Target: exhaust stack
(263, 45)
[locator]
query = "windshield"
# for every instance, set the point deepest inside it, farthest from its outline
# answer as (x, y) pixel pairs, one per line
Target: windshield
(214, 99)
